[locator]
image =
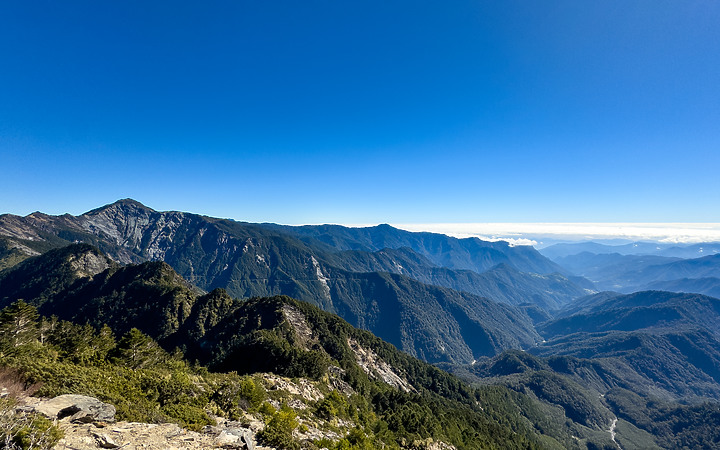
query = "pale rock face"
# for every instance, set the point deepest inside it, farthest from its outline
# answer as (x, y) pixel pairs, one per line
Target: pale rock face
(136, 228)
(15, 227)
(144, 436)
(335, 381)
(93, 427)
(322, 279)
(304, 388)
(89, 264)
(374, 366)
(297, 320)
(125, 230)
(24, 249)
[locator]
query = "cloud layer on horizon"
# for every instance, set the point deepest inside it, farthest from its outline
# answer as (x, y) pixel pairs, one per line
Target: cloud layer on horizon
(534, 233)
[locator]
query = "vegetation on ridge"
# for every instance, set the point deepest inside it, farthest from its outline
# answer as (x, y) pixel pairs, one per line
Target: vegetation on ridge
(124, 323)
(145, 383)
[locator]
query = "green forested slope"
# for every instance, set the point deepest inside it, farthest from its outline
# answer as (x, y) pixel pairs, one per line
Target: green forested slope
(434, 323)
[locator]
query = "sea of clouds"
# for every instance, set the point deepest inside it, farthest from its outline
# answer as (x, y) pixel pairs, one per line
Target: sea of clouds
(540, 234)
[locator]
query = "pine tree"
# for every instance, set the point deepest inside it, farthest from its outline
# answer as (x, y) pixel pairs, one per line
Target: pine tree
(47, 327)
(102, 343)
(138, 350)
(18, 326)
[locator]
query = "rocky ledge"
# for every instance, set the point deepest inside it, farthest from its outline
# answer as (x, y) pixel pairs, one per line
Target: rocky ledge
(89, 424)
(145, 436)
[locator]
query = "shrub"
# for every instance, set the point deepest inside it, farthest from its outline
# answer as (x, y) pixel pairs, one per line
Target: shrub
(190, 417)
(278, 431)
(332, 406)
(19, 430)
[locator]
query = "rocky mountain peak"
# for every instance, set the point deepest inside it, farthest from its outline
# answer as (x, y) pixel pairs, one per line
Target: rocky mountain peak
(126, 205)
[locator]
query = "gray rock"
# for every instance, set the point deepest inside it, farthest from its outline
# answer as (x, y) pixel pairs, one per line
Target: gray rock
(228, 440)
(211, 430)
(104, 441)
(249, 440)
(24, 409)
(235, 438)
(78, 408)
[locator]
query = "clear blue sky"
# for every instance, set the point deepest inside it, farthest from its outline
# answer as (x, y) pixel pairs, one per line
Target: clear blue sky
(364, 111)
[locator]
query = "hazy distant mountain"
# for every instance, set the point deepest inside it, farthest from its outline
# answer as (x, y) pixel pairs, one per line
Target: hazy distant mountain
(707, 266)
(692, 251)
(628, 273)
(445, 251)
(611, 271)
(707, 286)
(556, 251)
(501, 283)
(656, 343)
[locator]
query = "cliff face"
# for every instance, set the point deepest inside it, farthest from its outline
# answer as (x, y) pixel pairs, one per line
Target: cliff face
(18, 228)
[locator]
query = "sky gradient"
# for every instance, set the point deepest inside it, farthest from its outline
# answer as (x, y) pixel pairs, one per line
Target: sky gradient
(364, 111)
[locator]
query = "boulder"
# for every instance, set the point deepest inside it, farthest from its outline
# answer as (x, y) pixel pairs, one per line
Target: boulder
(235, 438)
(104, 441)
(79, 408)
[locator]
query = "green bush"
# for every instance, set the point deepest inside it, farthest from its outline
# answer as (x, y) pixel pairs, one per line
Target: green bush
(190, 417)
(332, 406)
(278, 431)
(233, 394)
(267, 409)
(250, 393)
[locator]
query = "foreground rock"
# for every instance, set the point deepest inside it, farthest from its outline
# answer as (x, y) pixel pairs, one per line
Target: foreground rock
(232, 437)
(88, 424)
(144, 436)
(78, 408)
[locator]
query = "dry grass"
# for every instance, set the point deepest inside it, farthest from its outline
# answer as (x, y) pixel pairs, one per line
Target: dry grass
(14, 384)
(20, 429)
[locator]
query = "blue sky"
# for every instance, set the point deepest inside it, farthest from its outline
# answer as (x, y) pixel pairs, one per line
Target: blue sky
(364, 111)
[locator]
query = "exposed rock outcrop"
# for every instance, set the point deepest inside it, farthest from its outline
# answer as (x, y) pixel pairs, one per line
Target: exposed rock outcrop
(166, 436)
(374, 366)
(299, 323)
(78, 408)
(89, 264)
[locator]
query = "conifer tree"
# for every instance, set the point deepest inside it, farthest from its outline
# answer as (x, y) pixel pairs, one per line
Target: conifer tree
(138, 350)
(18, 326)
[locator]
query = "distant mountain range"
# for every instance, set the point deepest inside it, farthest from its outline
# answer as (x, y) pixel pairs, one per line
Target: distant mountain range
(629, 273)
(708, 286)
(444, 251)
(431, 295)
(556, 251)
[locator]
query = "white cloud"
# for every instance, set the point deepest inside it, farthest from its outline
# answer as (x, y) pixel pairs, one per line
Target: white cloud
(530, 233)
